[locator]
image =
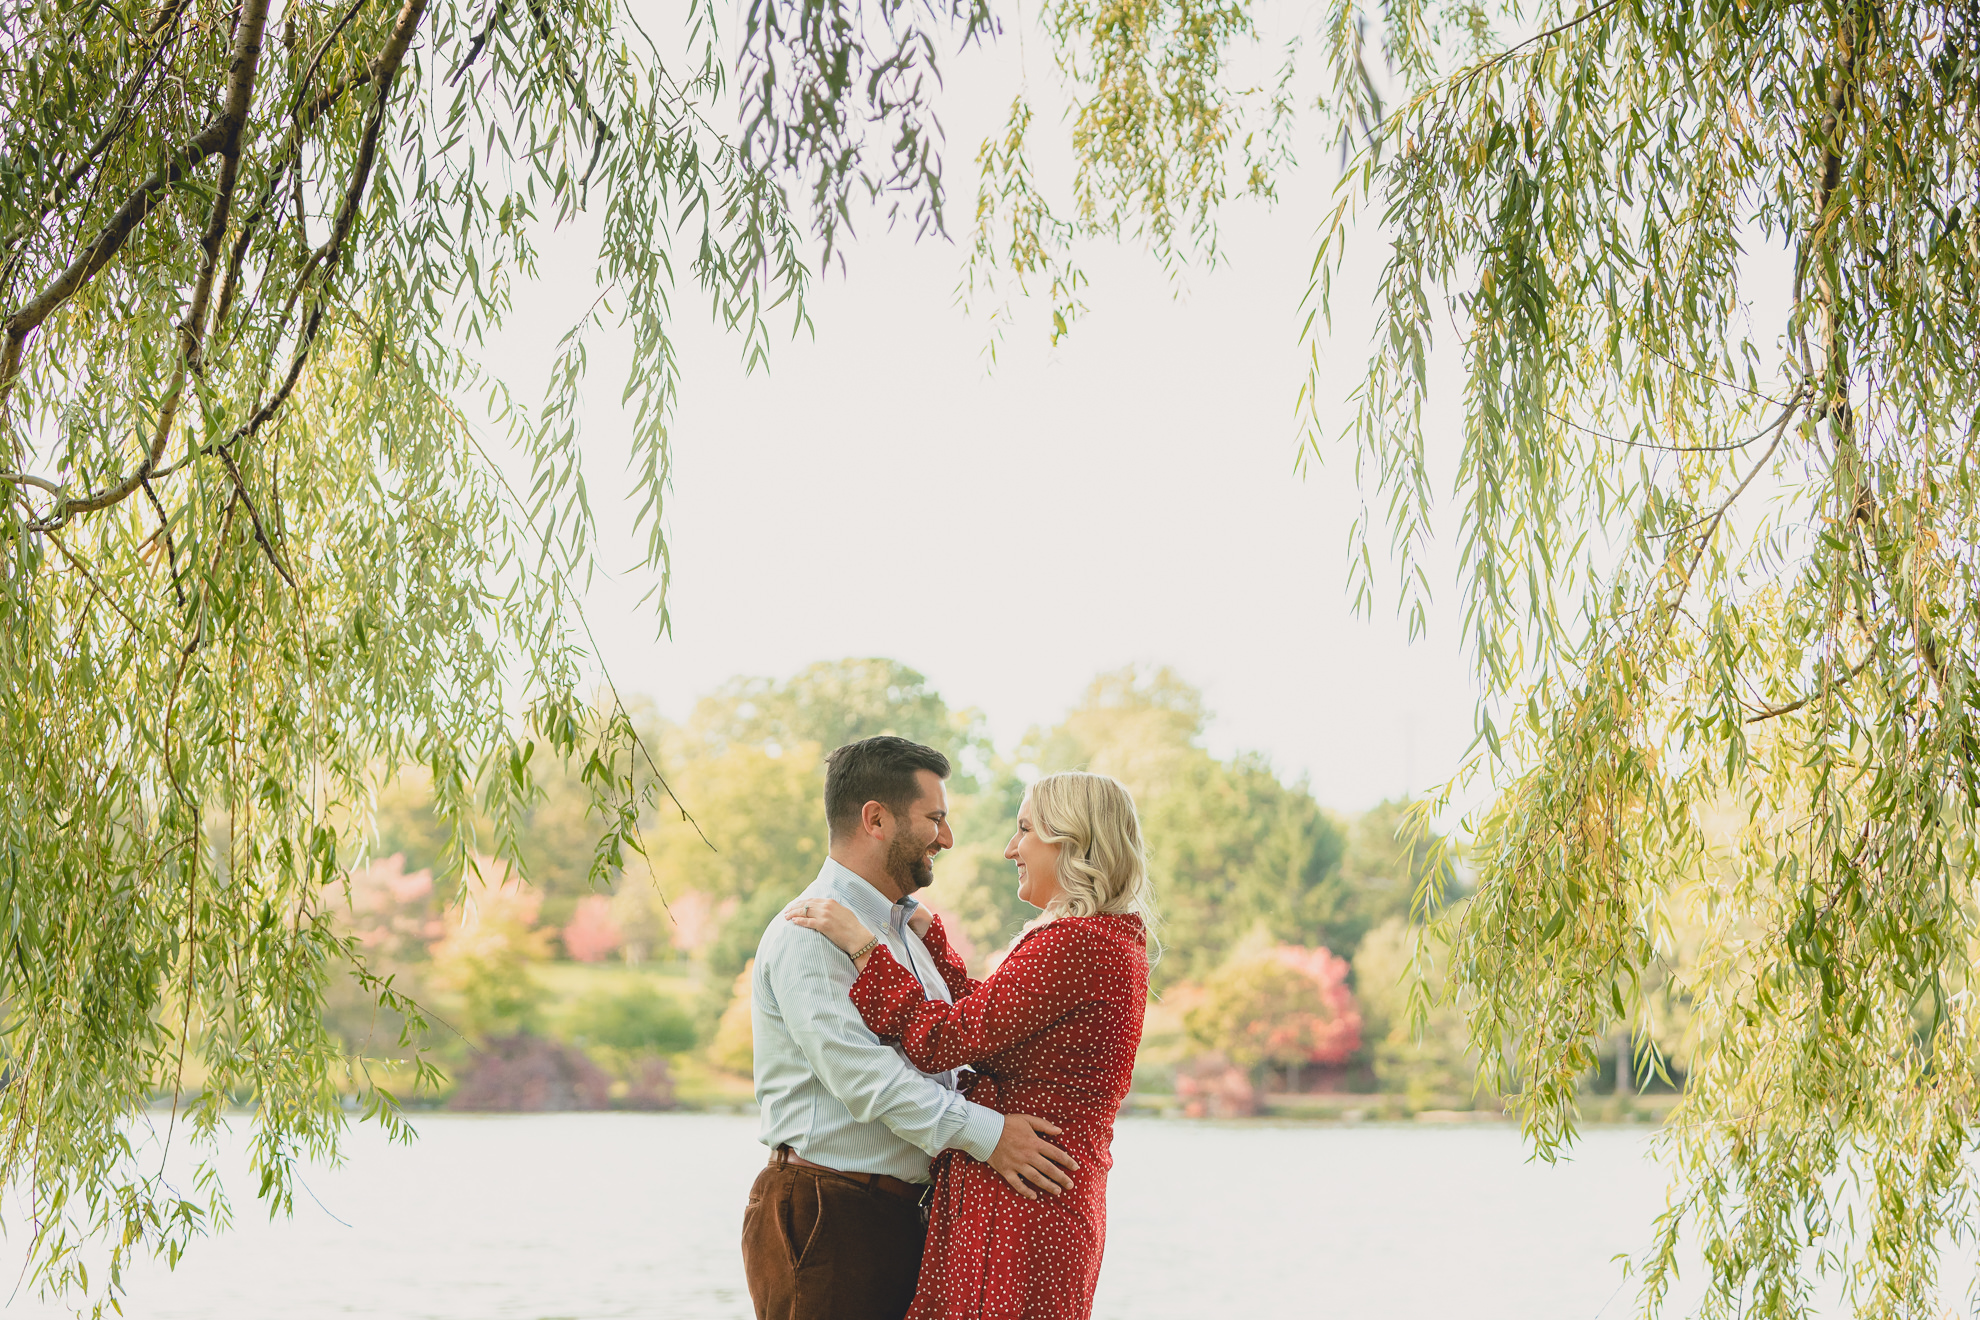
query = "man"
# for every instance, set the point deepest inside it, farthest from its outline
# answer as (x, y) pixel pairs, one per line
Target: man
(834, 1226)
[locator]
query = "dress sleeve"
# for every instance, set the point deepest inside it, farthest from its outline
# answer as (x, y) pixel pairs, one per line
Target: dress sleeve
(1042, 980)
(804, 979)
(947, 961)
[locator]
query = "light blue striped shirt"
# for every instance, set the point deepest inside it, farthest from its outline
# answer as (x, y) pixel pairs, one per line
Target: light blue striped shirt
(828, 1087)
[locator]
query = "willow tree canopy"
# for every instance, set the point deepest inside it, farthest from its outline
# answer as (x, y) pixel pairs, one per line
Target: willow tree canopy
(256, 558)
(1709, 271)
(1718, 570)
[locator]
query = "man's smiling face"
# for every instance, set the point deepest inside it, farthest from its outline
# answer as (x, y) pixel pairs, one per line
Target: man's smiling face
(921, 831)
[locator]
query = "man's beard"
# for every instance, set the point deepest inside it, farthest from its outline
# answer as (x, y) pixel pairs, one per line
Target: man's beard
(909, 865)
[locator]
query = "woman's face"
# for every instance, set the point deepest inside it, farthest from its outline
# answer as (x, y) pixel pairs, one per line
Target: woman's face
(1037, 861)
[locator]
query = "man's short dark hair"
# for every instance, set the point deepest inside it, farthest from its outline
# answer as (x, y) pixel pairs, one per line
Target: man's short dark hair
(883, 770)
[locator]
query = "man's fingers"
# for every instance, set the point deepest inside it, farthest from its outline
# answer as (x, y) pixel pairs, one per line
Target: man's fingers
(1017, 1185)
(1041, 1125)
(1060, 1178)
(1037, 1177)
(1059, 1155)
(1046, 1176)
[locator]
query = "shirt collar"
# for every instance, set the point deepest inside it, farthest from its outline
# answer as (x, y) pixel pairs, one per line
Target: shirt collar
(867, 903)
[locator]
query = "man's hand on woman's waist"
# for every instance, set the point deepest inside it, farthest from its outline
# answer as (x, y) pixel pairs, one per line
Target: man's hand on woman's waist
(1025, 1159)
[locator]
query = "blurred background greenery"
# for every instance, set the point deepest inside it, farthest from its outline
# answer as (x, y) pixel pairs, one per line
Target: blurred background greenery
(1288, 929)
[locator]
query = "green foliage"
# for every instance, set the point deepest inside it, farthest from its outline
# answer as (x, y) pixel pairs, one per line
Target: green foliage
(638, 1017)
(1257, 1010)
(1233, 848)
(553, 834)
(1424, 1055)
(1719, 577)
(765, 815)
(732, 1045)
(1388, 864)
(483, 961)
(835, 702)
(1137, 725)
(257, 559)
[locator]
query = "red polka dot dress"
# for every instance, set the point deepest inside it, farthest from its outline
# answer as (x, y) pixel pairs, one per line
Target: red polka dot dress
(1052, 1033)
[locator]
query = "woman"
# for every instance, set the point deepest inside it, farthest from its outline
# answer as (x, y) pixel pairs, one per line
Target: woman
(1052, 1033)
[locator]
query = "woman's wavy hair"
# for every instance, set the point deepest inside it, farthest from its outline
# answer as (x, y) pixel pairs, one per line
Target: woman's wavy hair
(1103, 863)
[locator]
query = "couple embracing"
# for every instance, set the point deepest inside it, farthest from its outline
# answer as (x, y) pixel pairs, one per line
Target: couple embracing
(877, 1053)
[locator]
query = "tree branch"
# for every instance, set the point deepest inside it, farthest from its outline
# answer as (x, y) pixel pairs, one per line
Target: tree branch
(383, 71)
(1645, 444)
(119, 122)
(480, 42)
(28, 479)
(218, 132)
(231, 120)
(326, 256)
(254, 517)
(95, 586)
(1775, 712)
(171, 550)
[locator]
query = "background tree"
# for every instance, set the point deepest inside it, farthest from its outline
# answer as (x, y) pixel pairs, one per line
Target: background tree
(482, 960)
(835, 702)
(1280, 1007)
(1233, 848)
(1421, 1051)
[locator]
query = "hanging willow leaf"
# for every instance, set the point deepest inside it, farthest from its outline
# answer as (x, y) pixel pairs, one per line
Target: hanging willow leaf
(1719, 576)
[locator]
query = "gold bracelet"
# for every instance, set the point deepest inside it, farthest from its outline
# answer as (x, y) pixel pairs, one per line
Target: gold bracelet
(865, 949)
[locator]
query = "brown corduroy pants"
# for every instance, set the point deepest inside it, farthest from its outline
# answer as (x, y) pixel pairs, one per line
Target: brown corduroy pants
(820, 1246)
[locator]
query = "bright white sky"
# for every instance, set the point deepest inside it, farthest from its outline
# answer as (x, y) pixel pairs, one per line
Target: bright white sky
(1128, 496)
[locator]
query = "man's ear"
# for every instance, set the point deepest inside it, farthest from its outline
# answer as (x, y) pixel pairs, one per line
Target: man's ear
(874, 819)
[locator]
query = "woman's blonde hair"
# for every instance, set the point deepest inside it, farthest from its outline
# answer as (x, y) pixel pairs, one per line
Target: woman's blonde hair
(1103, 864)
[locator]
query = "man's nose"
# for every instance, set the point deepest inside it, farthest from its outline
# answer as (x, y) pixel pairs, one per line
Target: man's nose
(945, 837)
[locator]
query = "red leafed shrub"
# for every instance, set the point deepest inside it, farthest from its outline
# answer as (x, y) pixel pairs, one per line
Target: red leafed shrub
(1211, 1086)
(394, 912)
(1283, 1007)
(592, 935)
(528, 1074)
(1341, 1037)
(651, 1085)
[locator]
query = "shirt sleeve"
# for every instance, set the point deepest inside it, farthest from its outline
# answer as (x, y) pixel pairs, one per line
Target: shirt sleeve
(955, 974)
(1027, 993)
(811, 981)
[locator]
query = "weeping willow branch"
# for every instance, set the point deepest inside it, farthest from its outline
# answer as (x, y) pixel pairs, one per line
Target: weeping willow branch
(259, 318)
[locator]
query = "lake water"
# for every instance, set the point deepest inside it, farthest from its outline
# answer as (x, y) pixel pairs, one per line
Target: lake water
(589, 1216)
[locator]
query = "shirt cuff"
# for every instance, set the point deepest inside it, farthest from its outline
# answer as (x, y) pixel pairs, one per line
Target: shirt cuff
(982, 1129)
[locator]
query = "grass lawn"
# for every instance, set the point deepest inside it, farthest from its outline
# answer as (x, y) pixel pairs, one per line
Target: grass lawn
(568, 982)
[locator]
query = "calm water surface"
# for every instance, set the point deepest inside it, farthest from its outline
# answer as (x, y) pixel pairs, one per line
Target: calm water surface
(609, 1215)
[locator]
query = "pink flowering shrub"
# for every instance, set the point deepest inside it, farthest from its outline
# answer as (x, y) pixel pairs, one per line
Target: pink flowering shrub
(1284, 1007)
(952, 927)
(1211, 1086)
(651, 1085)
(592, 936)
(1337, 1040)
(698, 919)
(489, 942)
(394, 912)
